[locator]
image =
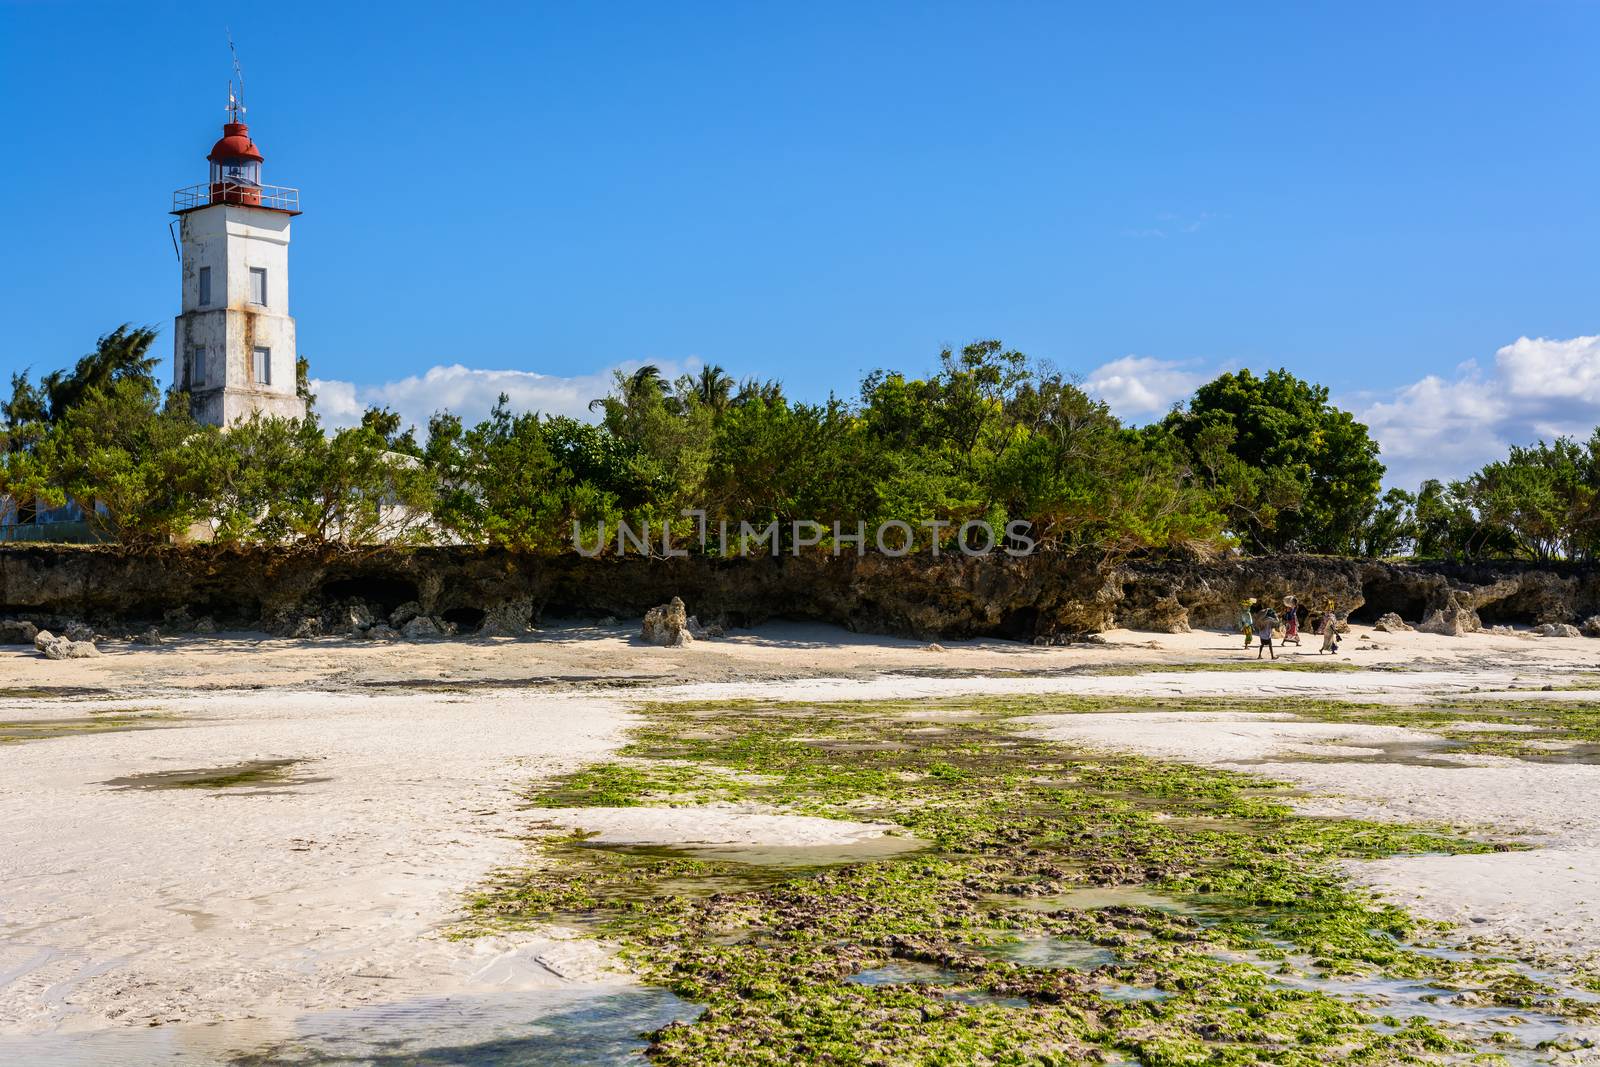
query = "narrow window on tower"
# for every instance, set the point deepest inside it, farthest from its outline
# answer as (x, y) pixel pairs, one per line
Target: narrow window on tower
(258, 286)
(261, 366)
(205, 286)
(197, 368)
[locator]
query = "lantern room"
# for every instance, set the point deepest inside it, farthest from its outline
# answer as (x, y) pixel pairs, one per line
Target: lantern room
(235, 167)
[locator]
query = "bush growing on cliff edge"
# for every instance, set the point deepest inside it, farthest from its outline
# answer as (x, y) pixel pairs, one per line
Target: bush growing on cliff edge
(1541, 502)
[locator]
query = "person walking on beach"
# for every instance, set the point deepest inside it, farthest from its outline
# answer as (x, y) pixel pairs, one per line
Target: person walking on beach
(1291, 620)
(1246, 621)
(1330, 629)
(1265, 625)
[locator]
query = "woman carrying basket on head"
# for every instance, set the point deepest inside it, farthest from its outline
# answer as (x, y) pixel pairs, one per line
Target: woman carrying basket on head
(1247, 622)
(1291, 620)
(1330, 629)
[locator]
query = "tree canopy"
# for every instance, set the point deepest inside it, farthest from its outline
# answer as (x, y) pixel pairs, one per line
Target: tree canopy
(1294, 472)
(1264, 463)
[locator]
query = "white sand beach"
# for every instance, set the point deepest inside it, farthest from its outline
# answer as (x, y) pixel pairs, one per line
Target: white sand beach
(329, 884)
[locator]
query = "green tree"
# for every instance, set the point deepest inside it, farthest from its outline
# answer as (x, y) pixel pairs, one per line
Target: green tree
(1291, 470)
(141, 471)
(666, 439)
(1539, 502)
(522, 481)
(289, 481)
(1390, 528)
(28, 404)
(992, 437)
(386, 424)
(121, 355)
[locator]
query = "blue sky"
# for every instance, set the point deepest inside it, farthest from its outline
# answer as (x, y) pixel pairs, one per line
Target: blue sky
(1367, 194)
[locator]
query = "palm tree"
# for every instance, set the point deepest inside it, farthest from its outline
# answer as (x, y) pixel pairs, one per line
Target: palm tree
(769, 391)
(633, 389)
(714, 388)
(645, 382)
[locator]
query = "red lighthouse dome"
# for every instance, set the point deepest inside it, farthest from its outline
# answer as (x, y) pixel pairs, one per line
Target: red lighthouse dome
(235, 167)
(234, 145)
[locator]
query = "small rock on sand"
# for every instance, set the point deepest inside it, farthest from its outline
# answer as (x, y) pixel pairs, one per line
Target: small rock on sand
(1448, 622)
(667, 625)
(17, 632)
(53, 647)
(1559, 629)
(420, 628)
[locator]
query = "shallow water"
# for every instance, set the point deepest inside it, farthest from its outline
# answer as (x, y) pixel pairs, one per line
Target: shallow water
(950, 984)
(1576, 752)
(16, 730)
(1436, 752)
(1047, 952)
(1122, 991)
(1090, 897)
(1521, 1029)
(1406, 998)
(250, 775)
(50, 692)
(559, 1028)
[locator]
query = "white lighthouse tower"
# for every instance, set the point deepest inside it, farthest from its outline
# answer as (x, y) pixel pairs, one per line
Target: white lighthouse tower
(234, 343)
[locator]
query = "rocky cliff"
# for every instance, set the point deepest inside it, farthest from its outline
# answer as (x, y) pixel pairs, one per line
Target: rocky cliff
(304, 592)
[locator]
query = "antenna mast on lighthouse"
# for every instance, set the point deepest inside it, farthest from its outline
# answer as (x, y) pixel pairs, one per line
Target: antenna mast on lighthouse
(236, 108)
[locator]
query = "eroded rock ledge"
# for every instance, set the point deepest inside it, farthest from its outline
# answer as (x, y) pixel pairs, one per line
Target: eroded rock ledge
(306, 593)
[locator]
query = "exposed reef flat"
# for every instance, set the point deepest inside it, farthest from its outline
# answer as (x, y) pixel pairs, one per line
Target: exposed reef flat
(338, 802)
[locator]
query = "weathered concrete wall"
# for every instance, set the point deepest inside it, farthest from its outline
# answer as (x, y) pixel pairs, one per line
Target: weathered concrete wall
(302, 591)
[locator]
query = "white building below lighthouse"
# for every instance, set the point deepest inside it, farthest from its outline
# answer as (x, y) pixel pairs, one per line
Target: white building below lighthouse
(234, 346)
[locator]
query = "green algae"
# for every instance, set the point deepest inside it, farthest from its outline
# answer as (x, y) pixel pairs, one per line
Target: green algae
(50, 692)
(637, 783)
(1240, 973)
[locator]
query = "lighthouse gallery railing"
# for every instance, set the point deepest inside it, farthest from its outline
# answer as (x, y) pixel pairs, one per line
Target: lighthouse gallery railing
(280, 197)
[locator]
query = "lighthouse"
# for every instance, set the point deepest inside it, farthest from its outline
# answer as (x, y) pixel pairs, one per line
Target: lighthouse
(234, 348)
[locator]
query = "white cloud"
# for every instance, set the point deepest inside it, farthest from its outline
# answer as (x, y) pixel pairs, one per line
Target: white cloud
(1538, 389)
(471, 393)
(1139, 388)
